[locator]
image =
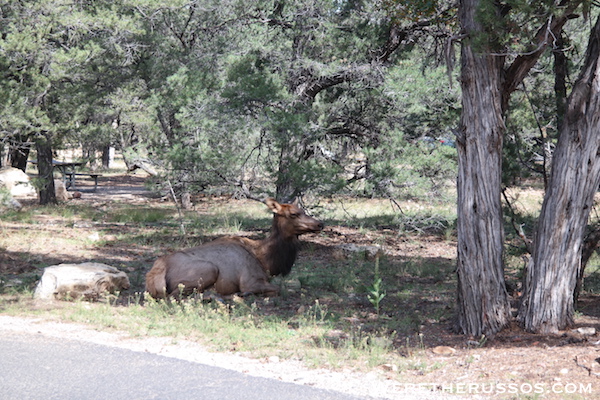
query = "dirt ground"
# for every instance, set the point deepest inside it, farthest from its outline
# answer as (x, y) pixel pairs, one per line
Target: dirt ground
(513, 364)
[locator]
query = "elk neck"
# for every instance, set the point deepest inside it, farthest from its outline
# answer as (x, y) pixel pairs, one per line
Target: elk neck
(278, 251)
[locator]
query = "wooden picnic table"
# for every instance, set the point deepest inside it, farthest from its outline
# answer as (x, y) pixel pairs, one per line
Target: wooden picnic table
(68, 172)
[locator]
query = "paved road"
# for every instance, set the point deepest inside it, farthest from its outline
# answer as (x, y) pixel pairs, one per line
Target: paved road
(34, 366)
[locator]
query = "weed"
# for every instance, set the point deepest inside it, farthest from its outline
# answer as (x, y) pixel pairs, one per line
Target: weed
(376, 293)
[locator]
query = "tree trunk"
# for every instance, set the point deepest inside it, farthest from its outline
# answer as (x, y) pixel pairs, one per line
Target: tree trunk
(560, 81)
(44, 149)
(482, 300)
(19, 152)
(547, 303)
(107, 156)
(590, 244)
(291, 180)
(286, 188)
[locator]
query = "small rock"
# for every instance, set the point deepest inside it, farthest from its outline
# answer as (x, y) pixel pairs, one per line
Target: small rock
(564, 371)
(94, 237)
(444, 350)
(349, 250)
(293, 284)
(586, 331)
(390, 367)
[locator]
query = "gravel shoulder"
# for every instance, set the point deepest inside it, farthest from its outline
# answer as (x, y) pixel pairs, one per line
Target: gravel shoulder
(371, 385)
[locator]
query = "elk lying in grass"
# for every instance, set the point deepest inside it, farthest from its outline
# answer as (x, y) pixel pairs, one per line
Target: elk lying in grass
(234, 264)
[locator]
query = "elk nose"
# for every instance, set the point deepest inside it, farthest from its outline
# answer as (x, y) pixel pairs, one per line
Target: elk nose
(320, 225)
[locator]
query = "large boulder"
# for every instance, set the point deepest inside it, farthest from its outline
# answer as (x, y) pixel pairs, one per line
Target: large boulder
(72, 281)
(16, 182)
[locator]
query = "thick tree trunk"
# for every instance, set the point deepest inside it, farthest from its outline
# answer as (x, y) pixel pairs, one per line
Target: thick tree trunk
(47, 191)
(482, 300)
(547, 303)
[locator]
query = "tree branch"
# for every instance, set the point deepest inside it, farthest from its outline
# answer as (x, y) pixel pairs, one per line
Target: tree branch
(523, 63)
(313, 85)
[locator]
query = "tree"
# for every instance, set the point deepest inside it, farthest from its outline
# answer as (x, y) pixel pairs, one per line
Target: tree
(483, 306)
(551, 276)
(57, 64)
(487, 80)
(276, 98)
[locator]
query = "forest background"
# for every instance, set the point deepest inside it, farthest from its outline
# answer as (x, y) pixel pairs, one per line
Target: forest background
(315, 98)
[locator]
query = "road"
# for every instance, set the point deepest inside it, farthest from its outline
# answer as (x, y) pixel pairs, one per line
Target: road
(34, 366)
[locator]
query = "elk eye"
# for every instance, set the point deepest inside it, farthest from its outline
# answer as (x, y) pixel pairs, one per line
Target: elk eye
(293, 215)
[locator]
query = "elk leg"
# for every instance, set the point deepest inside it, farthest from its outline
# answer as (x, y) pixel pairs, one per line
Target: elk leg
(264, 288)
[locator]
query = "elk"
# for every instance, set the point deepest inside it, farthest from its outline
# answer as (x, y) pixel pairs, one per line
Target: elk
(234, 264)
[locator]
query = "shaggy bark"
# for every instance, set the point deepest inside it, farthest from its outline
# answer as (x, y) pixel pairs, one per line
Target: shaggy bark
(483, 306)
(482, 301)
(547, 303)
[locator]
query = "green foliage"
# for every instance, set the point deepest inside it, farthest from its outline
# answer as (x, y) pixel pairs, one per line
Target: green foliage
(250, 84)
(245, 127)
(212, 92)
(376, 293)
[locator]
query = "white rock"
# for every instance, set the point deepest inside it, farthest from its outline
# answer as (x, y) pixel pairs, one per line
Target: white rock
(349, 250)
(16, 181)
(61, 191)
(586, 331)
(18, 184)
(72, 281)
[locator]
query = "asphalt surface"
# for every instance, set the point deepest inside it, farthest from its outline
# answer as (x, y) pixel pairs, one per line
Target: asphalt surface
(34, 366)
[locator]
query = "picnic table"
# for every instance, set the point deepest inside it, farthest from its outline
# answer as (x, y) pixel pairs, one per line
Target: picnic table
(68, 171)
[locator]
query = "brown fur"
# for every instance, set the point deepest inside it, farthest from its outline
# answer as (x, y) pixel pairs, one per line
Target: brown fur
(235, 264)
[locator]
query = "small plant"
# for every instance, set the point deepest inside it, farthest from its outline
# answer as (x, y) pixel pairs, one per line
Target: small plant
(376, 292)
(233, 225)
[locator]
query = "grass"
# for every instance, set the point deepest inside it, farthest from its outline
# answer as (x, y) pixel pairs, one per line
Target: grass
(237, 326)
(323, 316)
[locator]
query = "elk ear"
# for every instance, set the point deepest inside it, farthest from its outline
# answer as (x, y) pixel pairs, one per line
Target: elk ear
(273, 205)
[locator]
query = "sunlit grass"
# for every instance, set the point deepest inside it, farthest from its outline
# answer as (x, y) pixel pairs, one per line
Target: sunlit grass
(236, 326)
